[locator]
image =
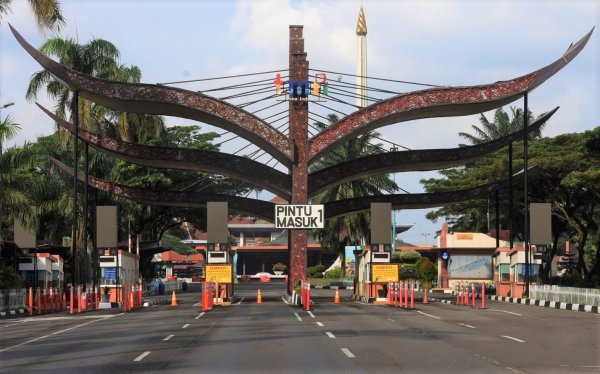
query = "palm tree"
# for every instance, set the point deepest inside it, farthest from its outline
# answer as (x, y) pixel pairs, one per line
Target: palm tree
(13, 182)
(98, 58)
(46, 12)
(352, 228)
(502, 125)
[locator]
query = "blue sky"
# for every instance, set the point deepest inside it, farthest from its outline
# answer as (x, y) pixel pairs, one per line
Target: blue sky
(441, 42)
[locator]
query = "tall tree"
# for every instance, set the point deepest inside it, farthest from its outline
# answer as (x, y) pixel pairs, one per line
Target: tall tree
(352, 228)
(567, 175)
(98, 58)
(46, 12)
(13, 182)
(501, 126)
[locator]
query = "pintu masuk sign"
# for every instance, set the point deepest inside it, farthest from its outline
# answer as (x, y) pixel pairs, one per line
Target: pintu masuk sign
(299, 216)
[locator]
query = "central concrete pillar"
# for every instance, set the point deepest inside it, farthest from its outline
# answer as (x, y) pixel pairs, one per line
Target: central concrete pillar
(298, 122)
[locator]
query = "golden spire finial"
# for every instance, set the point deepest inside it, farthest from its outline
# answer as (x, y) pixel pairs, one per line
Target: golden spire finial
(361, 25)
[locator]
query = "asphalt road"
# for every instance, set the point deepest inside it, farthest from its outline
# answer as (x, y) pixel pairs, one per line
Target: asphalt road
(274, 337)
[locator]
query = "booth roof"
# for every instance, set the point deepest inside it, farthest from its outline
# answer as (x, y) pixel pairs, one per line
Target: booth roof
(172, 256)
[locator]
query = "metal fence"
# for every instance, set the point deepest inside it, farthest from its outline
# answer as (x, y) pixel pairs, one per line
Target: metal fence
(12, 299)
(585, 296)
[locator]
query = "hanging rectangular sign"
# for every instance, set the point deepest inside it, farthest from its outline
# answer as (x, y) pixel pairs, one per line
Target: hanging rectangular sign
(309, 216)
(218, 273)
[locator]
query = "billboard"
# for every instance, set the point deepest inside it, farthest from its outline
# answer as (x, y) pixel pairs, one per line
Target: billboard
(470, 266)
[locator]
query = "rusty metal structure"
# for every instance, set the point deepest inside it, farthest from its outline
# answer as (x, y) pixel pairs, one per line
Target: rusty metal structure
(296, 151)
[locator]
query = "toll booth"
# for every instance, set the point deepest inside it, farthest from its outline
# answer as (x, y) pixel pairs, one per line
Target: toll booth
(510, 271)
(374, 273)
(119, 270)
(42, 270)
(218, 269)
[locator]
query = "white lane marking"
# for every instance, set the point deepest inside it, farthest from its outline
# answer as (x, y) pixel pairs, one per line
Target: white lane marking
(515, 339)
(199, 315)
(428, 315)
(141, 357)
(239, 302)
(185, 326)
(197, 304)
(391, 320)
(330, 334)
(45, 336)
(284, 300)
(310, 314)
(348, 353)
(36, 319)
(298, 316)
(465, 325)
(168, 337)
(320, 324)
(504, 311)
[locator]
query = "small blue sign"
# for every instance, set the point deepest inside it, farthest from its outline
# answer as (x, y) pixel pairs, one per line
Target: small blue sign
(110, 273)
(533, 269)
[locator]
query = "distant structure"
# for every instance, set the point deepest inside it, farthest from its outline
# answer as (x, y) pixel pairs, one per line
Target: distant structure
(361, 60)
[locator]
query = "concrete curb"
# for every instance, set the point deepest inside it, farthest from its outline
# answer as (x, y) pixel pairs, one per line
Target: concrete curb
(148, 303)
(549, 304)
(13, 313)
(333, 287)
(540, 303)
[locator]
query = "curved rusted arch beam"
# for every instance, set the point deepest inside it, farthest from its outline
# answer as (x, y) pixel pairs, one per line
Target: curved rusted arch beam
(417, 160)
(256, 208)
(154, 99)
(238, 167)
(437, 102)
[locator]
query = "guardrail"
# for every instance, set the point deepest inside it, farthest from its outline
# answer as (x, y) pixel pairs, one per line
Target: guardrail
(11, 299)
(571, 295)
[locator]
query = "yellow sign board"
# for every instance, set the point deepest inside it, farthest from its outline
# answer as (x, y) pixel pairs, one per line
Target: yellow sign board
(218, 273)
(384, 273)
(464, 236)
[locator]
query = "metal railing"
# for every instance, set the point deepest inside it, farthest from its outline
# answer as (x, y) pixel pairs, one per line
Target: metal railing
(12, 299)
(582, 296)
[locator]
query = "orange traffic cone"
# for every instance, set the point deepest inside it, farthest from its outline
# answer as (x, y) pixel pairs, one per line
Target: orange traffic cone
(259, 297)
(173, 300)
(336, 299)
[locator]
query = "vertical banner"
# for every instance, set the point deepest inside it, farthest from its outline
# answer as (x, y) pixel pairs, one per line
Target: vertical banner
(106, 226)
(381, 223)
(540, 224)
(24, 238)
(216, 222)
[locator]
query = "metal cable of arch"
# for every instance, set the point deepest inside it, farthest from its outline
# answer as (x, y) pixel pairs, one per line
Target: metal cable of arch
(270, 106)
(263, 82)
(354, 95)
(334, 110)
(372, 89)
(375, 78)
(224, 77)
(246, 93)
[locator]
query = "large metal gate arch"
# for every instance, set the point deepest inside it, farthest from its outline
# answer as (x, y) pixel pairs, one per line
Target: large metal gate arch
(297, 151)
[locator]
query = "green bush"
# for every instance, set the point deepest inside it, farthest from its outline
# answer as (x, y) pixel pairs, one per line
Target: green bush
(426, 271)
(335, 273)
(318, 274)
(311, 271)
(405, 257)
(9, 278)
